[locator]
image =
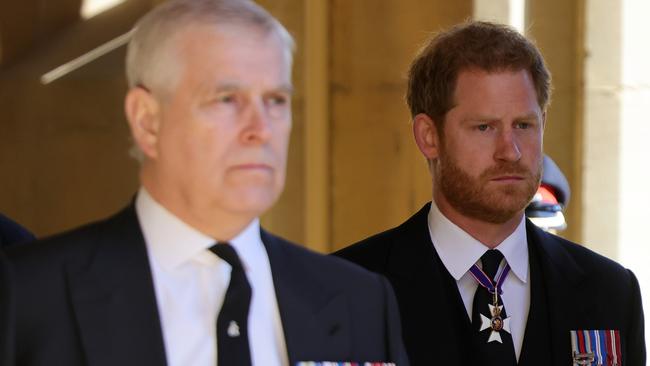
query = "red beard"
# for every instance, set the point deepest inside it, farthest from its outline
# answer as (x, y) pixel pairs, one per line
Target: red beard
(481, 199)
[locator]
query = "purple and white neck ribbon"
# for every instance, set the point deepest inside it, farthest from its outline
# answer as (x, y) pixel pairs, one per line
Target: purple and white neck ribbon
(485, 281)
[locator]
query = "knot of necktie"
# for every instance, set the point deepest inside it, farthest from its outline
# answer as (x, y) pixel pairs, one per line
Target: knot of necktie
(226, 252)
(491, 260)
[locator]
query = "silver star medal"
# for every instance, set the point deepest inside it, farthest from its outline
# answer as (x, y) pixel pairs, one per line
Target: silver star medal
(496, 323)
(233, 329)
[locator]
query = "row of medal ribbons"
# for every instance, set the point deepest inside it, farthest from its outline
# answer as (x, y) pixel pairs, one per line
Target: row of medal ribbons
(325, 363)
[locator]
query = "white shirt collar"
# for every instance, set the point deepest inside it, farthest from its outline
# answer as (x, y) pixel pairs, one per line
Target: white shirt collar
(173, 242)
(459, 251)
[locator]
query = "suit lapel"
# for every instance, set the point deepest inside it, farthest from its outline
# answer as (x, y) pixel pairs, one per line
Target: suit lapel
(561, 277)
(113, 296)
(537, 337)
(428, 297)
(315, 319)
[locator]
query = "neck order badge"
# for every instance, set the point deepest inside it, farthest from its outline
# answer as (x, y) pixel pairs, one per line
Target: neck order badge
(496, 322)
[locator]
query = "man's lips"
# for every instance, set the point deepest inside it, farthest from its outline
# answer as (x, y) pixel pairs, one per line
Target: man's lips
(508, 178)
(252, 166)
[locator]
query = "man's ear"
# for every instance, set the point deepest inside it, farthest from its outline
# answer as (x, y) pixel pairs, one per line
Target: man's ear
(426, 136)
(143, 114)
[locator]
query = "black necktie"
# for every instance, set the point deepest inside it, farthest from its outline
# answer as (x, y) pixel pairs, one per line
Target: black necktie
(232, 322)
(493, 353)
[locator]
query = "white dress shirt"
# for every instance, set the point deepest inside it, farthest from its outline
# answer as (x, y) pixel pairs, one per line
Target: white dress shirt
(190, 283)
(459, 251)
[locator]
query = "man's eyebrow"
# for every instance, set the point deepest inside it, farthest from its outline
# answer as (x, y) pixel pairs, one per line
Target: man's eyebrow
(529, 116)
(485, 117)
(227, 87)
(285, 88)
(480, 118)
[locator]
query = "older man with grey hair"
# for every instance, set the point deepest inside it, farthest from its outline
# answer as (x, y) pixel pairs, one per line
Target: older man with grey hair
(185, 275)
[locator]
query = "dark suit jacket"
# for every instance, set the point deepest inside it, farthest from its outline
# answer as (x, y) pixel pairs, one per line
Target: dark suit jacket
(11, 233)
(572, 288)
(86, 297)
(5, 294)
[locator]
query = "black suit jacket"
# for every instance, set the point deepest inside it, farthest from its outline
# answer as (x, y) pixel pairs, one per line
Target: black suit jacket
(87, 298)
(5, 295)
(10, 234)
(572, 288)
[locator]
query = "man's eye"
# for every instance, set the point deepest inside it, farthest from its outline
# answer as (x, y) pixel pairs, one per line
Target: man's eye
(278, 100)
(482, 127)
(225, 98)
(523, 125)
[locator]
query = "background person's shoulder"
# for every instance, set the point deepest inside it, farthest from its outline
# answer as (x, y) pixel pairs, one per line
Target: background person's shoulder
(11, 233)
(77, 243)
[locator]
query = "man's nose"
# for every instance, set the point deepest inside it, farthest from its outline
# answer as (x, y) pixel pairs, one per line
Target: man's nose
(258, 123)
(507, 146)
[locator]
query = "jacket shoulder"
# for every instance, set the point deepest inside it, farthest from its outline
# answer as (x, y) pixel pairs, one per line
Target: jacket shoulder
(596, 267)
(337, 271)
(374, 252)
(583, 254)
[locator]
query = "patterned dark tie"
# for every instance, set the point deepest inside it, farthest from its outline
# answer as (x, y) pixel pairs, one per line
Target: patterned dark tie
(493, 341)
(232, 322)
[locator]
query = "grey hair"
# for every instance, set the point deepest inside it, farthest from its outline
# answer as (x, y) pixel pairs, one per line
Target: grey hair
(146, 61)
